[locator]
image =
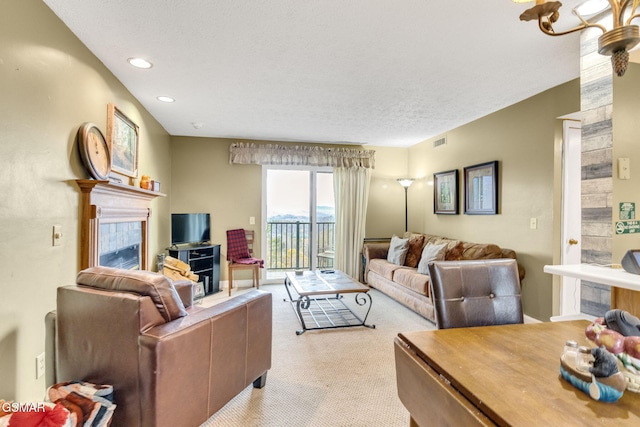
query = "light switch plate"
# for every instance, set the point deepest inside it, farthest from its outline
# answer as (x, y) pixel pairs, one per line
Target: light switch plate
(40, 365)
(624, 168)
(57, 235)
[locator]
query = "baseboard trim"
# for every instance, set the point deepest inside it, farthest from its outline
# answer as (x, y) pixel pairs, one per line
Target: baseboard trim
(529, 319)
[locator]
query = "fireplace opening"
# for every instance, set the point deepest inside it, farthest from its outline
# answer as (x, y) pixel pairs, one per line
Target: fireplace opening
(120, 245)
(127, 258)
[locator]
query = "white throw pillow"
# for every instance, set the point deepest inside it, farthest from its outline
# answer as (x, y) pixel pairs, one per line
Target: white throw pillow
(431, 253)
(398, 250)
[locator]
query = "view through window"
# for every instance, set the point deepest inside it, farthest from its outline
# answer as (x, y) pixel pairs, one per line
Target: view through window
(300, 212)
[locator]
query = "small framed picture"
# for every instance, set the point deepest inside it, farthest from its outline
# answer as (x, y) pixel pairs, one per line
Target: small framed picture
(122, 136)
(445, 192)
(481, 189)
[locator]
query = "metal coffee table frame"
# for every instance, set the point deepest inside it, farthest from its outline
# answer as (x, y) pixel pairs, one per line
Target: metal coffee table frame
(317, 309)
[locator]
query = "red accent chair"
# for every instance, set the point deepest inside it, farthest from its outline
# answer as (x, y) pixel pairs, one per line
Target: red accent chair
(240, 255)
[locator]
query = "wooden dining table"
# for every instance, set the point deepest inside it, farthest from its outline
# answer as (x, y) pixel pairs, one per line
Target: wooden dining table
(505, 375)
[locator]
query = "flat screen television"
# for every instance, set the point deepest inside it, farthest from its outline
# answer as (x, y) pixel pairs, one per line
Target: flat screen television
(190, 228)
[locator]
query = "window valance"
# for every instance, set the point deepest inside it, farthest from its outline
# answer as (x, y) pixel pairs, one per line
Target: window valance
(271, 154)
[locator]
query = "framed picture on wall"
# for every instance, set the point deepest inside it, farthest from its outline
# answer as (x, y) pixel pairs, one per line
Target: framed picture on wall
(481, 189)
(122, 136)
(445, 192)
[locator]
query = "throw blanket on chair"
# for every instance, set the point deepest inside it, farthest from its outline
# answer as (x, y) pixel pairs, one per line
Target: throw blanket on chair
(90, 405)
(238, 249)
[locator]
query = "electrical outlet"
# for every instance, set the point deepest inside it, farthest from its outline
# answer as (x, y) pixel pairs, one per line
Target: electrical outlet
(533, 224)
(39, 365)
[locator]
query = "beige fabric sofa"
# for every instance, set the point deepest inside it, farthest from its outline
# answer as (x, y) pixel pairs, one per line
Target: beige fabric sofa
(403, 282)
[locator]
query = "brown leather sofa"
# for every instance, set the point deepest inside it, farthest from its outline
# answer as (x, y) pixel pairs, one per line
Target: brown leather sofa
(170, 363)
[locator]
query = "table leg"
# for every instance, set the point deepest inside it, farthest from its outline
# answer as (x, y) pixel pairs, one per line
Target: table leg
(287, 285)
(302, 303)
(361, 300)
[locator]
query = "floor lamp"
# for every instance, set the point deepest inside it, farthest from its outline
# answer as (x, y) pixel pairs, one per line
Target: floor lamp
(406, 183)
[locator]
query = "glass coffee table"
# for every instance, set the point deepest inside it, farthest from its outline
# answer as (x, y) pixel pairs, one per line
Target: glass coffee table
(320, 304)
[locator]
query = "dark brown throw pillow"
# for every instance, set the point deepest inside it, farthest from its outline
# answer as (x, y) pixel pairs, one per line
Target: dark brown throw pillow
(416, 243)
(454, 251)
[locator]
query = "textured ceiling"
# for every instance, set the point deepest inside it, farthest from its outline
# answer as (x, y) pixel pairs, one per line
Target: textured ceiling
(378, 72)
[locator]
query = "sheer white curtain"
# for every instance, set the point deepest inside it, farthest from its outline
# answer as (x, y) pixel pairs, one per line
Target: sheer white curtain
(351, 190)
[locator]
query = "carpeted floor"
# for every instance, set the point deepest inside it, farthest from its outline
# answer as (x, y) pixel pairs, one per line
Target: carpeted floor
(339, 377)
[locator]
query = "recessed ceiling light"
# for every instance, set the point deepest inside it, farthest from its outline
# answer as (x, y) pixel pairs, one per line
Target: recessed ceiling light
(140, 63)
(165, 99)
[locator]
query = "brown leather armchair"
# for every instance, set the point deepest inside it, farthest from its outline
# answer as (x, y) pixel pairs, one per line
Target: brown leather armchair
(476, 293)
(170, 363)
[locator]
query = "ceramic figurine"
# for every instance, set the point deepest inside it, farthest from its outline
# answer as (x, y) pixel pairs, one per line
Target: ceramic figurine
(603, 382)
(145, 182)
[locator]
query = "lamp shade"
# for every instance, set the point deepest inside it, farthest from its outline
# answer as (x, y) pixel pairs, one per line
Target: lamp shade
(405, 182)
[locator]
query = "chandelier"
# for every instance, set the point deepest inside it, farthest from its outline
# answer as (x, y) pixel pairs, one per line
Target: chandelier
(615, 42)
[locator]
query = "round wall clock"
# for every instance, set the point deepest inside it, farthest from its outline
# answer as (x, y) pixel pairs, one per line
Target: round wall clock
(94, 150)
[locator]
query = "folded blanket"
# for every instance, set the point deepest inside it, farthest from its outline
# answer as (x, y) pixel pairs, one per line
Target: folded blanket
(90, 405)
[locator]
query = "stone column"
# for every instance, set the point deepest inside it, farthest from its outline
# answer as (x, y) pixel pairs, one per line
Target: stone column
(596, 94)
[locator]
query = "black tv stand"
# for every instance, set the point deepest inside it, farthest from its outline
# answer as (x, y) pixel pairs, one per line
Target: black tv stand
(204, 260)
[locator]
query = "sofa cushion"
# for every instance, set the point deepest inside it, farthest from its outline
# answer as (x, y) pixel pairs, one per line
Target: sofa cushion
(431, 253)
(416, 243)
(156, 286)
(411, 279)
(384, 268)
(435, 239)
(474, 251)
(398, 250)
(455, 249)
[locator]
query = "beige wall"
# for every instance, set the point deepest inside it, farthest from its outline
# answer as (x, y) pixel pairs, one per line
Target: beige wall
(522, 138)
(204, 181)
(626, 143)
(385, 211)
(50, 84)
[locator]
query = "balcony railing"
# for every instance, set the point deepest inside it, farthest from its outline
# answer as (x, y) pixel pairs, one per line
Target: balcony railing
(288, 245)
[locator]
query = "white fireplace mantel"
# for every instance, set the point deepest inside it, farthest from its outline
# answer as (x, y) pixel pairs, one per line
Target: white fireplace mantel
(107, 202)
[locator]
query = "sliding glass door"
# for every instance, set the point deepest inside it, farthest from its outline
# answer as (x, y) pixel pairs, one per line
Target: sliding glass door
(299, 208)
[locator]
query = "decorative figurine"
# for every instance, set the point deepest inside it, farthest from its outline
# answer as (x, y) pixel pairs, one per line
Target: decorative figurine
(606, 383)
(145, 182)
(619, 332)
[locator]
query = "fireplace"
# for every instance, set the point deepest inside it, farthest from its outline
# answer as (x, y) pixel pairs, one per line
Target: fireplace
(120, 244)
(114, 229)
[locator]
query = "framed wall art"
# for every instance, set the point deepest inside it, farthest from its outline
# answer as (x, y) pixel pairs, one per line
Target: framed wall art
(445, 192)
(122, 136)
(481, 189)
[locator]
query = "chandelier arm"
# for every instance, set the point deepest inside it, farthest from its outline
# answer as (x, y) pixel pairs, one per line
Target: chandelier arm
(617, 6)
(631, 18)
(623, 5)
(551, 32)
